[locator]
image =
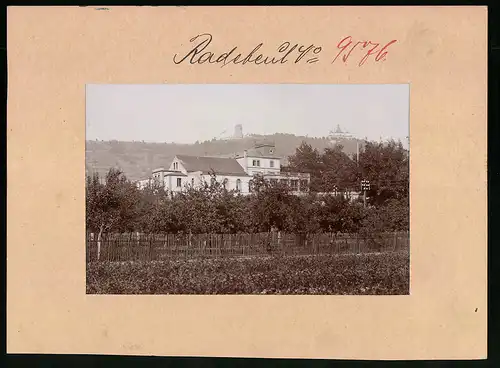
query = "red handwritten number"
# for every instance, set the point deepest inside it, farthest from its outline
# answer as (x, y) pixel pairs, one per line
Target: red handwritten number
(349, 38)
(370, 51)
(346, 49)
(381, 54)
(356, 45)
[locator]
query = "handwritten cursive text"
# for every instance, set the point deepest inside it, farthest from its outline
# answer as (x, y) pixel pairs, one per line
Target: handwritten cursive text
(285, 52)
(201, 52)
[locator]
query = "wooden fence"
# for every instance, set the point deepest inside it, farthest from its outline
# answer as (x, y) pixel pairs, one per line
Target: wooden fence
(134, 246)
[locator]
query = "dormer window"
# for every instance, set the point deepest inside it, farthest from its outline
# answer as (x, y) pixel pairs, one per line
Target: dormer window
(256, 163)
(271, 151)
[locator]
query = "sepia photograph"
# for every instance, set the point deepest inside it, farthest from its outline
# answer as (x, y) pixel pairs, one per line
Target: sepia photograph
(282, 189)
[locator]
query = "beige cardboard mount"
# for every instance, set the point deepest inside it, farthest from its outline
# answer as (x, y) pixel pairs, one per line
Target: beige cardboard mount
(53, 52)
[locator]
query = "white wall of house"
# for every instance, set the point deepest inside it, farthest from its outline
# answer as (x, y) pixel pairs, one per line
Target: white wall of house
(175, 183)
(232, 181)
(240, 183)
(176, 165)
(243, 161)
(256, 165)
(141, 184)
(158, 175)
(176, 177)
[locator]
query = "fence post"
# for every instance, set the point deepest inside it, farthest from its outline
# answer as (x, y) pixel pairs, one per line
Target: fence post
(280, 244)
(218, 245)
(222, 241)
(150, 247)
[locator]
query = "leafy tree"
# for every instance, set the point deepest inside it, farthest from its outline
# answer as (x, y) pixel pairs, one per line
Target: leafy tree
(308, 160)
(110, 205)
(340, 172)
(269, 204)
(302, 215)
(386, 166)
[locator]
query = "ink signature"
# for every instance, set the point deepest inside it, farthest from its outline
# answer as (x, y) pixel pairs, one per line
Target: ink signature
(287, 51)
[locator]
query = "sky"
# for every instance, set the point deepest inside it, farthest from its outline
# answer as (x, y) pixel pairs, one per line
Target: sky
(186, 113)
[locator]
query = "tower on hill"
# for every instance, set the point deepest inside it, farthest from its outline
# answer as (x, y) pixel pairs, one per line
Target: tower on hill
(238, 131)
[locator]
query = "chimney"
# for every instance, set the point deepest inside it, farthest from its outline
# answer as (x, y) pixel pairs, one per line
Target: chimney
(245, 165)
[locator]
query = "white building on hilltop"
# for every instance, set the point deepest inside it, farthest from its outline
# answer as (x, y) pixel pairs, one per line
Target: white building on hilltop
(339, 134)
(235, 172)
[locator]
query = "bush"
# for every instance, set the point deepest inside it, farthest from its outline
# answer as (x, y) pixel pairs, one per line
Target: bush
(382, 274)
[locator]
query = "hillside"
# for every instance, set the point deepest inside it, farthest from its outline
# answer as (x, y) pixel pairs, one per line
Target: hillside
(137, 159)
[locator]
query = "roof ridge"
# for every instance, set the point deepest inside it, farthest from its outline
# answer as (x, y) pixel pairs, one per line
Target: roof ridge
(197, 156)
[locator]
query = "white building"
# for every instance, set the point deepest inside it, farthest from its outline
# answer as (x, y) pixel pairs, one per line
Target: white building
(235, 172)
(339, 134)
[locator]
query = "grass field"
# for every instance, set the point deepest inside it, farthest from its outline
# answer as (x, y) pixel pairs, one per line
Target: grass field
(367, 274)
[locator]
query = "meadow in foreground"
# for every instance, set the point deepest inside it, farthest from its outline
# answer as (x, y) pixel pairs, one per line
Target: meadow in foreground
(368, 274)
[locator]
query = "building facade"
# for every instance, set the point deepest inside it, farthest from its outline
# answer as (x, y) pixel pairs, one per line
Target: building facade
(235, 173)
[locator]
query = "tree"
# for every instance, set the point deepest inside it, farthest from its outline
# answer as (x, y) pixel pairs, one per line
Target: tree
(303, 215)
(308, 160)
(110, 205)
(340, 172)
(269, 204)
(386, 166)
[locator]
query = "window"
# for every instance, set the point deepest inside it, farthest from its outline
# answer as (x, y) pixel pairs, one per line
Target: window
(256, 163)
(250, 185)
(304, 185)
(176, 165)
(274, 181)
(294, 184)
(284, 181)
(179, 182)
(271, 163)
(238, 185)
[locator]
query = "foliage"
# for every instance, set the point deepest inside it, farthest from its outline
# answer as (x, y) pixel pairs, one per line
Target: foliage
(384, 274)
(384, 164)
(112, 204)
(308, 160)
(115, 204)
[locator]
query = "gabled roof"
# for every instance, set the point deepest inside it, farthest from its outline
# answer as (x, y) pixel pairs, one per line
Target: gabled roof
(219, 165)
(261, 152)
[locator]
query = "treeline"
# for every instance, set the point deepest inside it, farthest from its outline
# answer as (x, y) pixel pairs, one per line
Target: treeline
(115, 204)
(384, 164)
